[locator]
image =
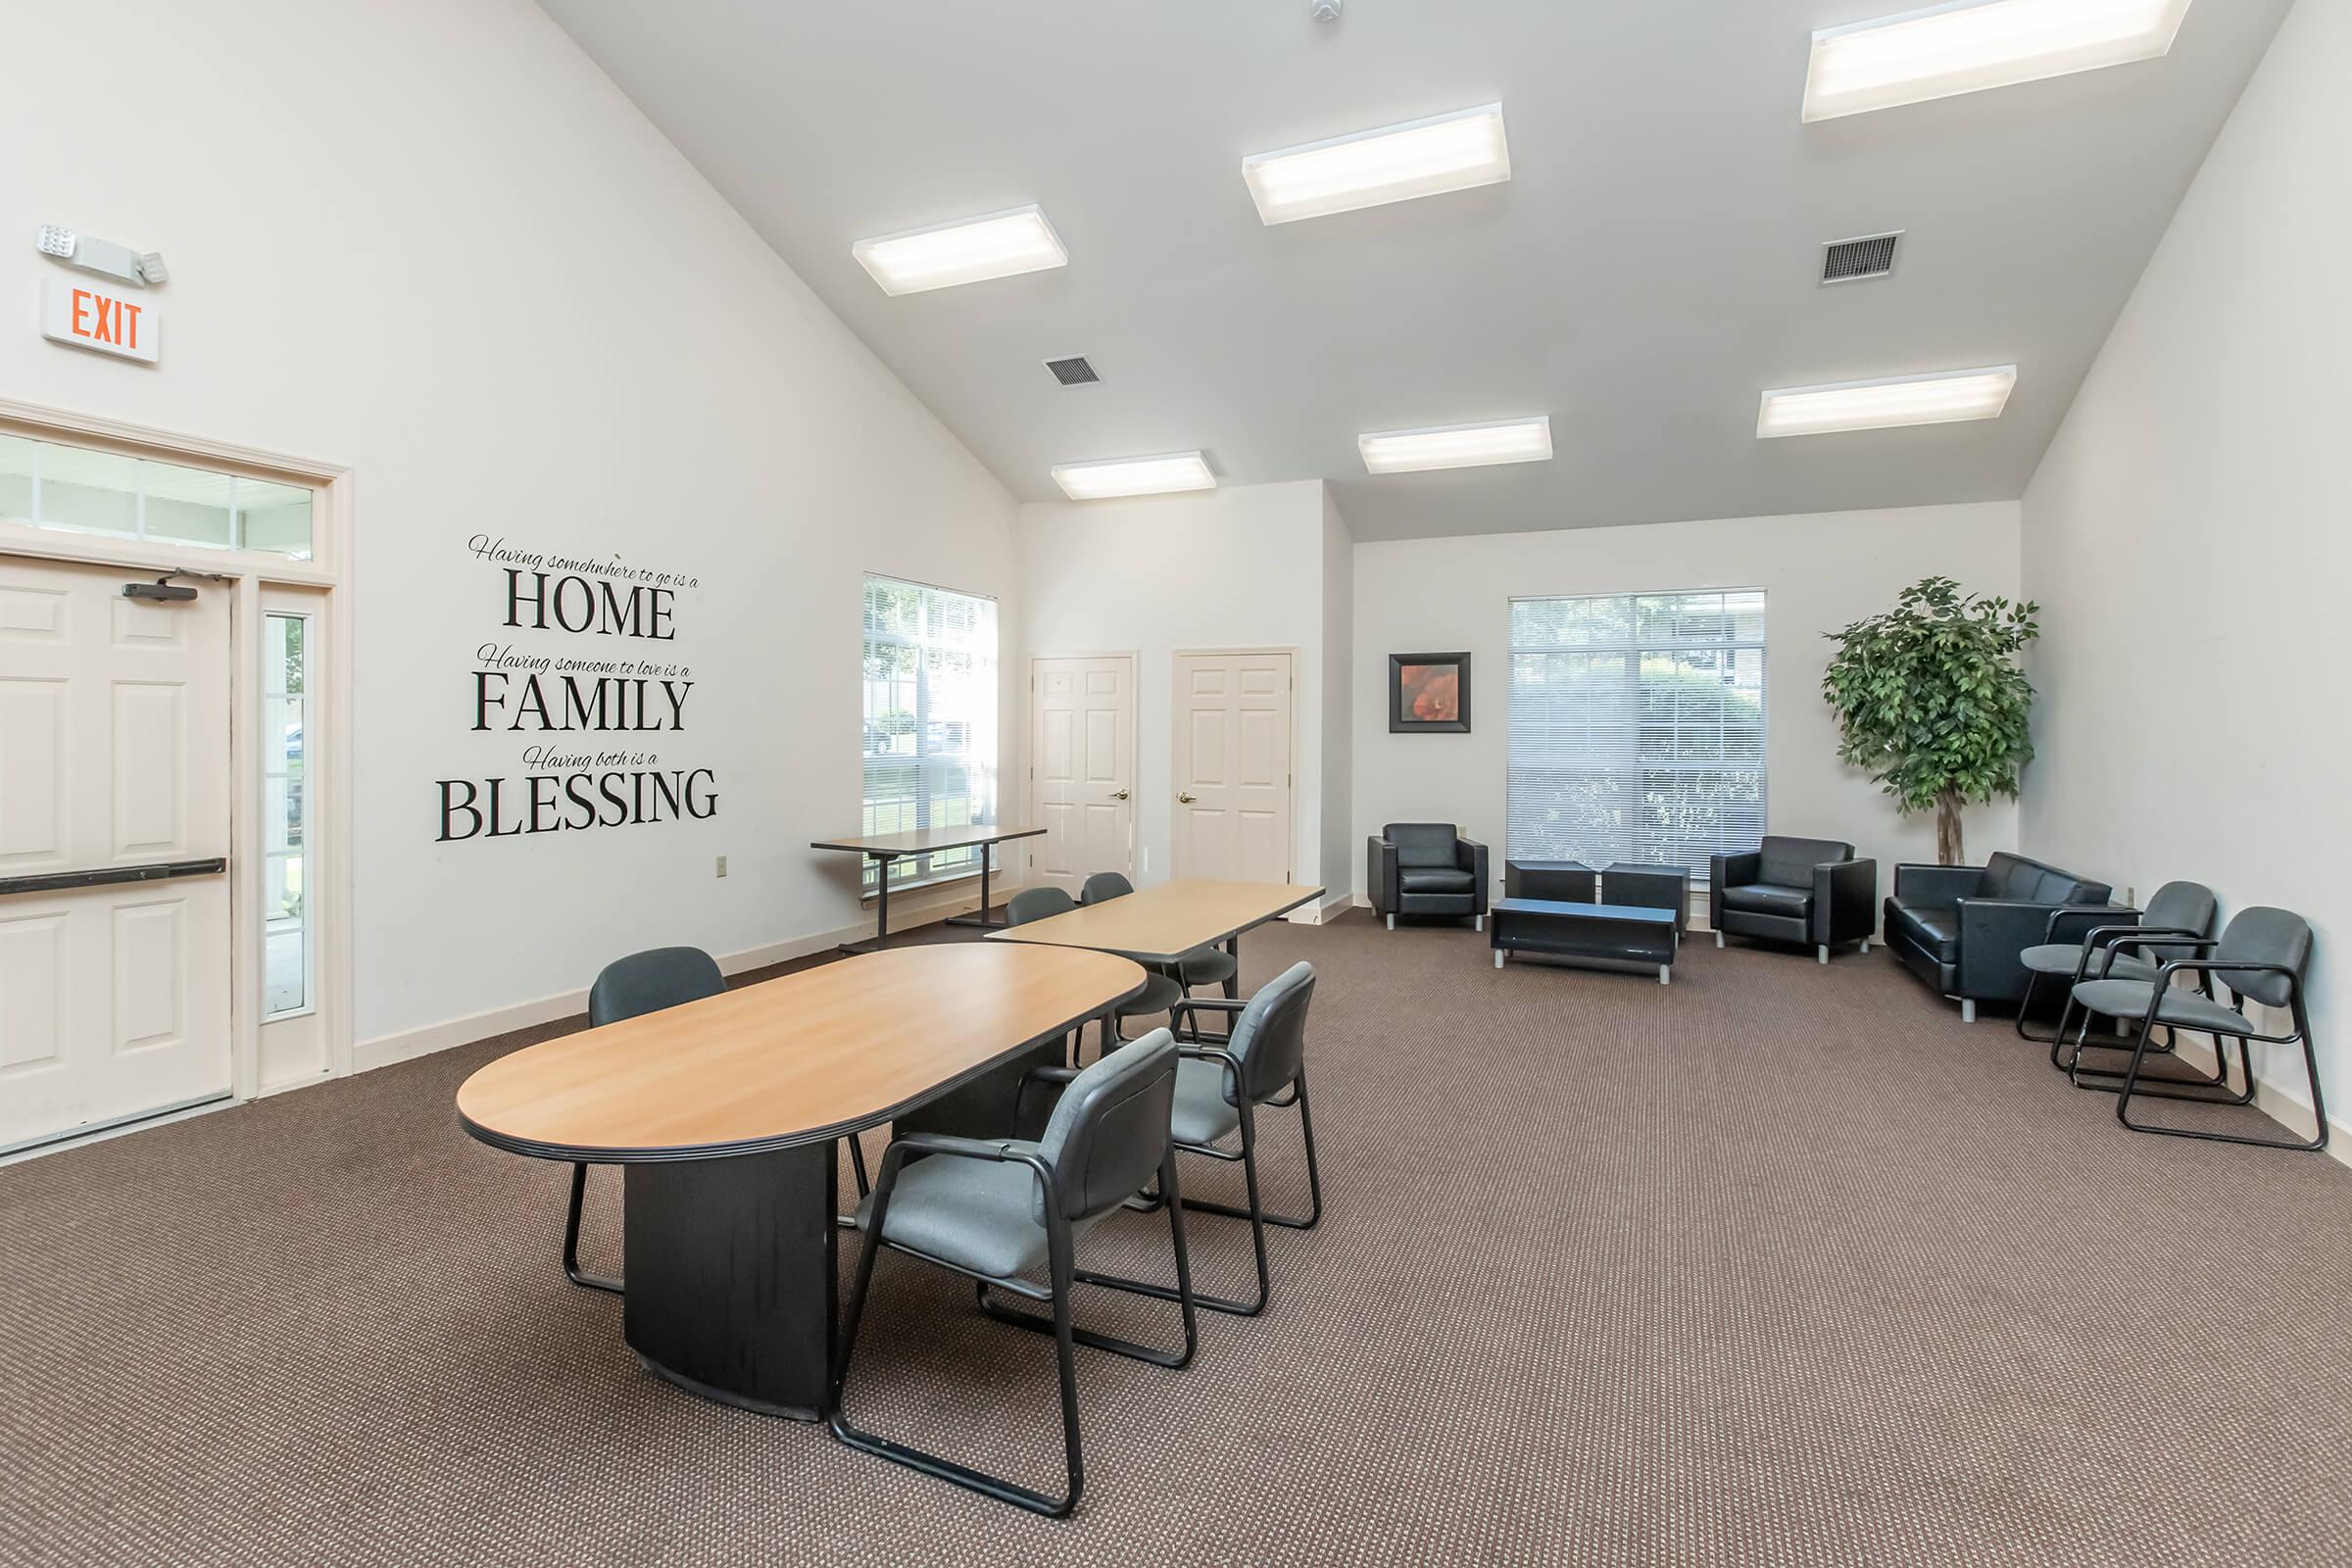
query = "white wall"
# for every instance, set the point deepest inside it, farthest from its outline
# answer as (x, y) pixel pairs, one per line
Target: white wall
(1339, 704)
(2188, 536)
(1819, 572)
(430, 241)
(1238, 567)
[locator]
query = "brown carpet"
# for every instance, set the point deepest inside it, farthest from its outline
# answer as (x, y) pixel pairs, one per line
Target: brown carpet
(1783, 1264)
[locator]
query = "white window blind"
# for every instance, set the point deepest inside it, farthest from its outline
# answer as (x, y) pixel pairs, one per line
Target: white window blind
(930, 719)
(1636, 728)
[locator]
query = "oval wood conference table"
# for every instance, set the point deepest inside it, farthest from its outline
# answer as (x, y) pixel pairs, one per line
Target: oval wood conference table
(724, 1112)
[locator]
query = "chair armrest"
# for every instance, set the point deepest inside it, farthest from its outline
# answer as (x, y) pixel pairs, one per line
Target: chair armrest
(1213, 1003)
(997, 1150)
(1728, 872)
(1380, 874)
(1471, 855)
(1047, 1074)
(1845, 901)
(1935, 884)
(2069, 921)
(2122, 913)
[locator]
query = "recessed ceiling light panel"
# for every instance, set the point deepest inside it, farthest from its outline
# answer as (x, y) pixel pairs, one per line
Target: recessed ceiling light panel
(1458, 446)
(1940, 399)
(1396, 164)
(1135, 476)
(1973, 45)
(970, 250)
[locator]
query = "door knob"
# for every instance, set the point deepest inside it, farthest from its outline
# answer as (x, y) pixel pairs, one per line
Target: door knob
(1186, 798)
(1118, 794)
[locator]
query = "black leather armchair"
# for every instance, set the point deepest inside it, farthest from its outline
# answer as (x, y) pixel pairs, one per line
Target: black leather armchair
(1426, 869)
(1794, 890)
(1963, 928)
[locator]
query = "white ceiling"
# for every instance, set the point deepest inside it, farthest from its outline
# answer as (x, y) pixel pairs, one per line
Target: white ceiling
(1648, 269)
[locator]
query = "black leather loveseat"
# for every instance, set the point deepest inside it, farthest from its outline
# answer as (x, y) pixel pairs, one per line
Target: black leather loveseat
(1794, 890)
(1425, 868)
(1961, 927)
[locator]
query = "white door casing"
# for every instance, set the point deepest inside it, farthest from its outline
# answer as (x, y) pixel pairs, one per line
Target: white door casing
(1231, 766)
(1082, 765)
(114, 753)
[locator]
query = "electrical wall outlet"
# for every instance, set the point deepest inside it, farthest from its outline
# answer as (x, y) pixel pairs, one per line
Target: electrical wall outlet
(722, 866)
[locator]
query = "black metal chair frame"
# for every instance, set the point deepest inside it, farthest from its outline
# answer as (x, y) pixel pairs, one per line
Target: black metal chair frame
(2301, 1035)
(2192, 1085)
(2099, 939)
(1061, 1273)
(1247, 1157)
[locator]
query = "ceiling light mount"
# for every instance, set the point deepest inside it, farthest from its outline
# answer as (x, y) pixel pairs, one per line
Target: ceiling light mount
(968, 250)
(1944, 396)
(1161, 475)
(1451, 152)
(1458, 446)
(1974, 45)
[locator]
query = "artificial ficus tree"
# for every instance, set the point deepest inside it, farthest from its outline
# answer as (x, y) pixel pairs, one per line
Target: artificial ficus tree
(1930, 701)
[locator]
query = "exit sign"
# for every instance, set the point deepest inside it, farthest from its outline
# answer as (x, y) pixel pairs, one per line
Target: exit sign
(95, 315)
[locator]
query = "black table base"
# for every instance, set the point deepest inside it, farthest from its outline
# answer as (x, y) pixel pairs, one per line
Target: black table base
(731, 1276)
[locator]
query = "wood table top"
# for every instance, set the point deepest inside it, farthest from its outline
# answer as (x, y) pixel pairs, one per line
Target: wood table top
(926, 840)
(796, 1061)
(1159, 923)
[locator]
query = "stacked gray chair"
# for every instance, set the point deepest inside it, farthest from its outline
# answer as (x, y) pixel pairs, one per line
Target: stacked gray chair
(1161, 988)
(651, 981)
(2116, 951)
(995, 1209)
(2262, 957)
(1219, 1091)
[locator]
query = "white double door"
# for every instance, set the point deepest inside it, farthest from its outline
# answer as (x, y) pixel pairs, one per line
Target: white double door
(114, 756)
(1232, 766)
(1082, 746)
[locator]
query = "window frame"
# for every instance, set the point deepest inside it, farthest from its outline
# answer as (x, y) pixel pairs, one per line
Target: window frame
(1638, 649)
(978, 757)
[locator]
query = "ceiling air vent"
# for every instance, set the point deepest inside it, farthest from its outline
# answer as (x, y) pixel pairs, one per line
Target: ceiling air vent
(1073, 372)
(1850, 261)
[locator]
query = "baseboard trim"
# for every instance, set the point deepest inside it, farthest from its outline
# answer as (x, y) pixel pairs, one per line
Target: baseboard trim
(385, 1050)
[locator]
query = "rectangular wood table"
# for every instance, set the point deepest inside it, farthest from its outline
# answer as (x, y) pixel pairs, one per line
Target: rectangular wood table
(1160, 924)
(890, 847)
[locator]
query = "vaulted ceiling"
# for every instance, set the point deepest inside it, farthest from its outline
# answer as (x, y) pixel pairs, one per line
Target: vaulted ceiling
(1650, 267)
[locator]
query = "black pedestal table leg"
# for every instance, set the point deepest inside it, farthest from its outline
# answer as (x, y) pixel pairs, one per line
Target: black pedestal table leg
(731, 1276)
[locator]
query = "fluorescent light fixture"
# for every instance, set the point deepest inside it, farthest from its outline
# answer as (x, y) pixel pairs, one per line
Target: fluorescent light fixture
(1940, 399)
(1458, 446)
(1422, 158)
(970, 250)
(1972, 45)
(1135, 476)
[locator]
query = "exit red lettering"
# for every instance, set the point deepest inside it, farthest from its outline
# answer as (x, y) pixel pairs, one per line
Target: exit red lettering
(110, 320)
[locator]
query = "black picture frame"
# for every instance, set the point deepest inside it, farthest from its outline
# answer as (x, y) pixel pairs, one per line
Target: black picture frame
(1401, 720)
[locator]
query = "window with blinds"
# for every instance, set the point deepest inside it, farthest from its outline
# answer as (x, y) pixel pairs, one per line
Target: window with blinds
(1636, 728)
(930, 719)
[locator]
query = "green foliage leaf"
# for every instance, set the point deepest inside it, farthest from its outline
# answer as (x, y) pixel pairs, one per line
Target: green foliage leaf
(1929, 698)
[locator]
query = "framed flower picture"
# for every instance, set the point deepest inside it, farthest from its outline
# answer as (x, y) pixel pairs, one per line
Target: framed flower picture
(1429, 694)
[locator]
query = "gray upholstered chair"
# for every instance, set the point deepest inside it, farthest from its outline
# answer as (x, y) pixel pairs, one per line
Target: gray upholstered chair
(1161, 988)
(630, 988)
(1198, 966)
(2262, 957)
(996, 1210)
(1219, 1091)
(1037, 904)
(1426, 869)
(1811, 890)
(2116, 951)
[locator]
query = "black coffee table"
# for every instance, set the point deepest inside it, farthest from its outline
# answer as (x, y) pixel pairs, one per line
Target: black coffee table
(1614, 935)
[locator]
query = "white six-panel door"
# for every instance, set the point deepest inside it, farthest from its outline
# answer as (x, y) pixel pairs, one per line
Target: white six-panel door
(114, 753)
(1082, 750)
(1232, 766)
